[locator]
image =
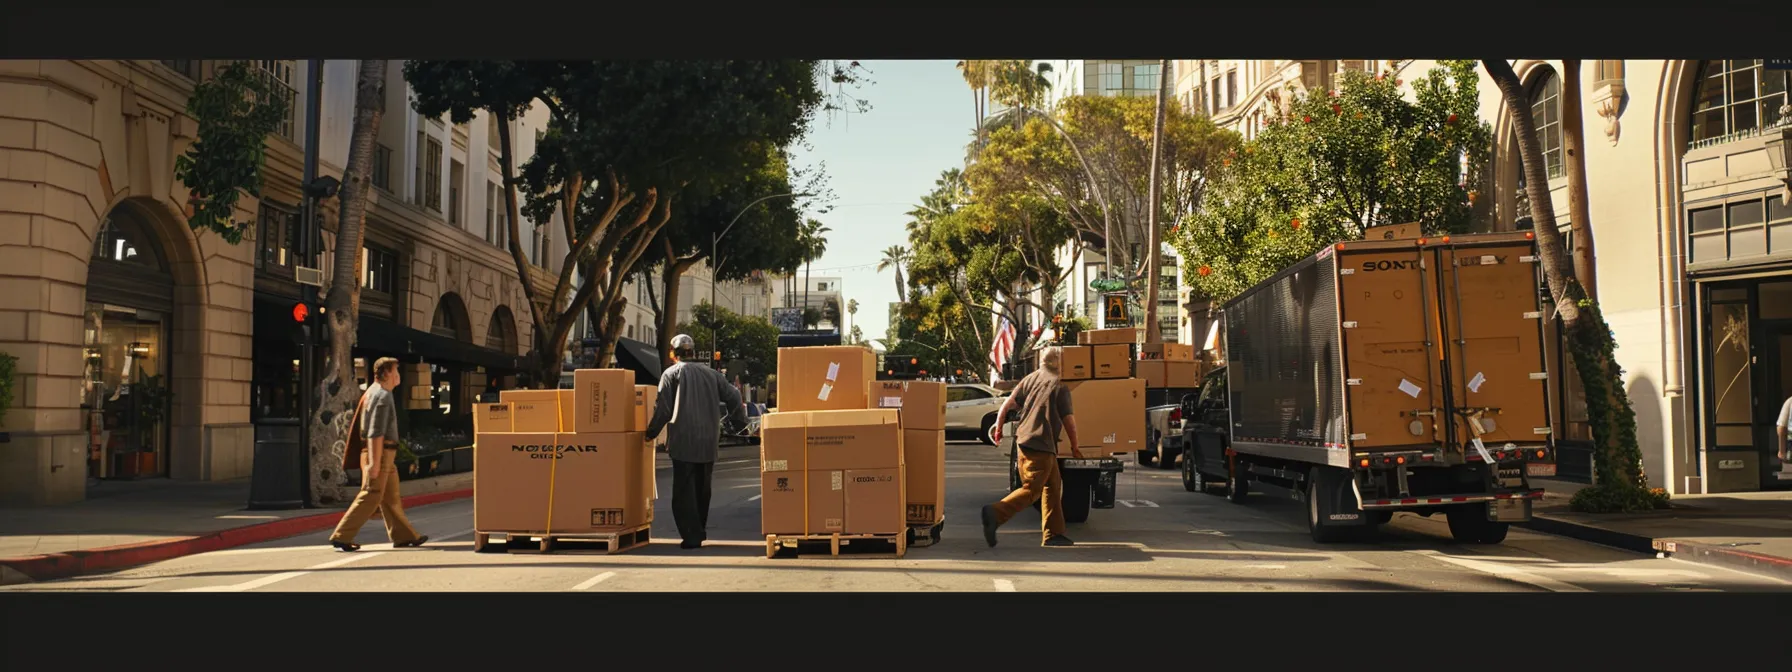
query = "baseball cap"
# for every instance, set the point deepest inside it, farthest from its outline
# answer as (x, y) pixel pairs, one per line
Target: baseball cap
(683, 342)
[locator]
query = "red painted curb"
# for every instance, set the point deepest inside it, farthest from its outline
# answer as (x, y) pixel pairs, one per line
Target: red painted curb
(109, 558)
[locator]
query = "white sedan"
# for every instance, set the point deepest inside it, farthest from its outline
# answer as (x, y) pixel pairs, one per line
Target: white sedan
(971, 407)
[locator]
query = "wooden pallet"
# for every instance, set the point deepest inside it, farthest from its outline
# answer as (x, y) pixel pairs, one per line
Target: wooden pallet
(799, 545)
(921, 535)
(607, 543)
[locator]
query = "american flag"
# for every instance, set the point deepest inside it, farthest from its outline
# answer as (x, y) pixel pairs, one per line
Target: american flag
(1003, 348)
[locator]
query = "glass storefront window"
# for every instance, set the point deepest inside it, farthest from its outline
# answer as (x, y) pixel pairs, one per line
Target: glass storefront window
(125, 391)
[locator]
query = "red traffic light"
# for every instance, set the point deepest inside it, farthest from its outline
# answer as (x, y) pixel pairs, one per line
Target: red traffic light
(300, 311)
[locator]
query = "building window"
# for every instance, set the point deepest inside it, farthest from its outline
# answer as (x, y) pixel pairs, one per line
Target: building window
(1231, 88)
(491, 212)
(382, 167)
(1739, 230)
(379, 271)
(278, 75)
(491, 132)
(497, 332)
(276, 237)
(1737, 99)
(188, 69)
(1546, 113)
(504, 229)
(457, 174)
(1146, 77)
(417, 171)
(1213, 95)
(432, 174)
(1610, 70)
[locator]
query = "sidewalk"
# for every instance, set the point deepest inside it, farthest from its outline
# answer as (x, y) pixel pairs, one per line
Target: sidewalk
(1747, 531)
(128, 523)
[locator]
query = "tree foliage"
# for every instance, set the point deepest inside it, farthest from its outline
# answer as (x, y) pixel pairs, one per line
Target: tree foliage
(748, 338)
(236, 111)
(1333, 164)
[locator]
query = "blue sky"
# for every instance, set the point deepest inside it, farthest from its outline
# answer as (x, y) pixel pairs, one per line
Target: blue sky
(879, 165)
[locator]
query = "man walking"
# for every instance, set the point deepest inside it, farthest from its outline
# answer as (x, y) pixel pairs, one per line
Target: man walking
(1044, 404)
(690, 402)
(373, 444)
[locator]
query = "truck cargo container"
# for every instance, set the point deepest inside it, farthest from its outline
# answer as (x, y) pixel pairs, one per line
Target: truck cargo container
(1380, 376)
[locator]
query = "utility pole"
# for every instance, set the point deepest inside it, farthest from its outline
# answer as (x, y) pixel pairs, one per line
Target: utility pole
(1154, 239)
(308, 235)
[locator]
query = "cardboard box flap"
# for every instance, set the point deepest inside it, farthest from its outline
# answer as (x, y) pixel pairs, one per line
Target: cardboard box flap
(784, 420)
(881, 416)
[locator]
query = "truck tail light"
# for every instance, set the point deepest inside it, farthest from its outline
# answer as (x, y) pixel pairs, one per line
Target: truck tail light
(1175, 417)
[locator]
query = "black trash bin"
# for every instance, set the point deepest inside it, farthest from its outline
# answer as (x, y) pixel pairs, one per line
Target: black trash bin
(278, 479)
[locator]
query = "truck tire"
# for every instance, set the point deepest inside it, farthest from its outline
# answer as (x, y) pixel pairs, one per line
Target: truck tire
(1192, 479)
(1078, 495)
(1321, 532)
(1469, 525)
(1237, 488)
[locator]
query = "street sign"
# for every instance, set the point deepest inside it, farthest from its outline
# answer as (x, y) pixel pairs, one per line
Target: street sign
(1116, 311)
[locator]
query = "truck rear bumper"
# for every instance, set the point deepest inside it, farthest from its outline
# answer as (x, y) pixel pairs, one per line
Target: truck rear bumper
(1445, 500)
(1096, 463)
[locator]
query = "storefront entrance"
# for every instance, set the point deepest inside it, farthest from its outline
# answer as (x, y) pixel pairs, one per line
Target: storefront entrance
(1747, 350)
(125, 385)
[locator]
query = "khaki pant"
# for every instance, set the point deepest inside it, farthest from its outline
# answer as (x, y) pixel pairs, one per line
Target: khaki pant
(1039, 477)
(379, 493)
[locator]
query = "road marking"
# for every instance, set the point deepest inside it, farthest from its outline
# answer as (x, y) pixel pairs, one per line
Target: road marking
(1215, 533)
(276, 578)
(1265, 566)
(1503, 571)
(594, 581)
(1138, 503)
(754, 497)
(1004, 586)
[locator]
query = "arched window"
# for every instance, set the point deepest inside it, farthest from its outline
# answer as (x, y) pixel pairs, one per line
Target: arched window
(1546, 113)
(1737, 98)
(498, 332)
(125, 239)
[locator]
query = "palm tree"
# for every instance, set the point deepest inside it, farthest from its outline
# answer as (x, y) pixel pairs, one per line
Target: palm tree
(978, 75)
(813, 245)
(852, 312)
(894, 257)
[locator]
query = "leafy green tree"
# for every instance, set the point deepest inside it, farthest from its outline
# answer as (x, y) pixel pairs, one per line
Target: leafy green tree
(622, 138)
(1619, 483)
(1336, 164)
(235, 111)
(749, 339)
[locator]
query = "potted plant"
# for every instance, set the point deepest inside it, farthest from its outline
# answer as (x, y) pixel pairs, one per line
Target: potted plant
(406, 460)
(7, 362)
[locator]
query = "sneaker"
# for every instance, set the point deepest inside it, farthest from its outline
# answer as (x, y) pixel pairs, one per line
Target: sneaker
(1058, 541)
(687, 545)
(989, 524)
(414, 543)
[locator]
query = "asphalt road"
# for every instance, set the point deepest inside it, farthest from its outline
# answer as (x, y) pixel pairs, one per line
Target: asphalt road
(1160, 538)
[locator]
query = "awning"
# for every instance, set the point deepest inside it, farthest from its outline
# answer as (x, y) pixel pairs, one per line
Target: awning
(386, 336)
(641, 358)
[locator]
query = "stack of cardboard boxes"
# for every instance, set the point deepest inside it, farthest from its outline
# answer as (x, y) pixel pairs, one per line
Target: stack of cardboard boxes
(922, 414)
(832, 456)
(565, 462)
(1109, 402)
(1168, 365)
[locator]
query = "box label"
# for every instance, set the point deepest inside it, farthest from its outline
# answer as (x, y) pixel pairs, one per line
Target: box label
(607, 517)
(777, 465)
(890, 402)
(833, 371)
(922, 513)
(838, 479)
(826, 391)
(782, 484)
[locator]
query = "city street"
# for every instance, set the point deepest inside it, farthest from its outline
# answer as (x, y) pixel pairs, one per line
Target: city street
(1159, 538)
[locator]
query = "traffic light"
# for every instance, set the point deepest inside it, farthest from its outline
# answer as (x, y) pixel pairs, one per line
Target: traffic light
(301, 318)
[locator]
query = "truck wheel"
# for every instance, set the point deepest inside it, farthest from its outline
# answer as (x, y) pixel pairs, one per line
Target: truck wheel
(1145, 458)
(1192, 480)
(1469, 525)
(1322, 533)
(1236, 487)
(989, 427)
(1077, 497)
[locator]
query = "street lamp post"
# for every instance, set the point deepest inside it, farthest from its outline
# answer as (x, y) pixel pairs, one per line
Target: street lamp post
(715, 266)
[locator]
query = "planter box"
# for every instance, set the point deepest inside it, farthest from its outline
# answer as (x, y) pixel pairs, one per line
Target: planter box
(456, 461)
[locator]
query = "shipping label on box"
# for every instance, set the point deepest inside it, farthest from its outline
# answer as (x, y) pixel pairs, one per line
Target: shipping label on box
(860, 439)
(825, 378)
(922, 404)
(827, 501)
(492, 418)
(604, 400)
(875, 502)
(1110, 416)
(1112, 361)
(1076, 362)
(924, 470)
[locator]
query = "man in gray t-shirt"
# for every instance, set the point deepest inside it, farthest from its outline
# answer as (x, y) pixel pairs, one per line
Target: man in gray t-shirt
(373, 443)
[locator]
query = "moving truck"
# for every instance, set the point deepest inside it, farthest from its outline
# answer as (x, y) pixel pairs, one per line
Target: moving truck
(1382, 376)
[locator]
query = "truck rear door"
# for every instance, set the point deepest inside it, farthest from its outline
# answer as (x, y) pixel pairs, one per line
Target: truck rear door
(1494, 323)
(1390, 371)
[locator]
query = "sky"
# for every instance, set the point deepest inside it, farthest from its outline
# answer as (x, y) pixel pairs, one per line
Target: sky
(879, 165)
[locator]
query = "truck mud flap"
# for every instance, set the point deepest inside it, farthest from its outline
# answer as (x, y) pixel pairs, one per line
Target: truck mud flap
(1339, 506)
(1102, 495)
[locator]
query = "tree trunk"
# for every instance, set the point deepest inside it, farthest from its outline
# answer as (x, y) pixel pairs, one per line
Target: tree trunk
(1573, 143)
(1153, 239)
(1618, 458)
(337, 390)
(671, 273)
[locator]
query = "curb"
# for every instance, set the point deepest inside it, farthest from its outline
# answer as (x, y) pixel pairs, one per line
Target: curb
(1727, 557)
(1598, 535)
(110, 558)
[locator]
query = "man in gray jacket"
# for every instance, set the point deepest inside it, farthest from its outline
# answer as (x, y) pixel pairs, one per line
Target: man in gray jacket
(690, 404)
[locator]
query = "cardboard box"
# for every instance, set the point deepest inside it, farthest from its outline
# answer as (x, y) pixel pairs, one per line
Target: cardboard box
(781, 502)
(1111, 361)
(924, 474)
(491, 418)
(875, 502)
(1077, 362)
(1110, 416)
(1159, 373)
(922, 404)
(599, 482)
(646, 397)
(533, 410)
(1174, 352)
(604, 401)
(1122, 336)
(839, 440)
(825, 378)
(827, 501)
